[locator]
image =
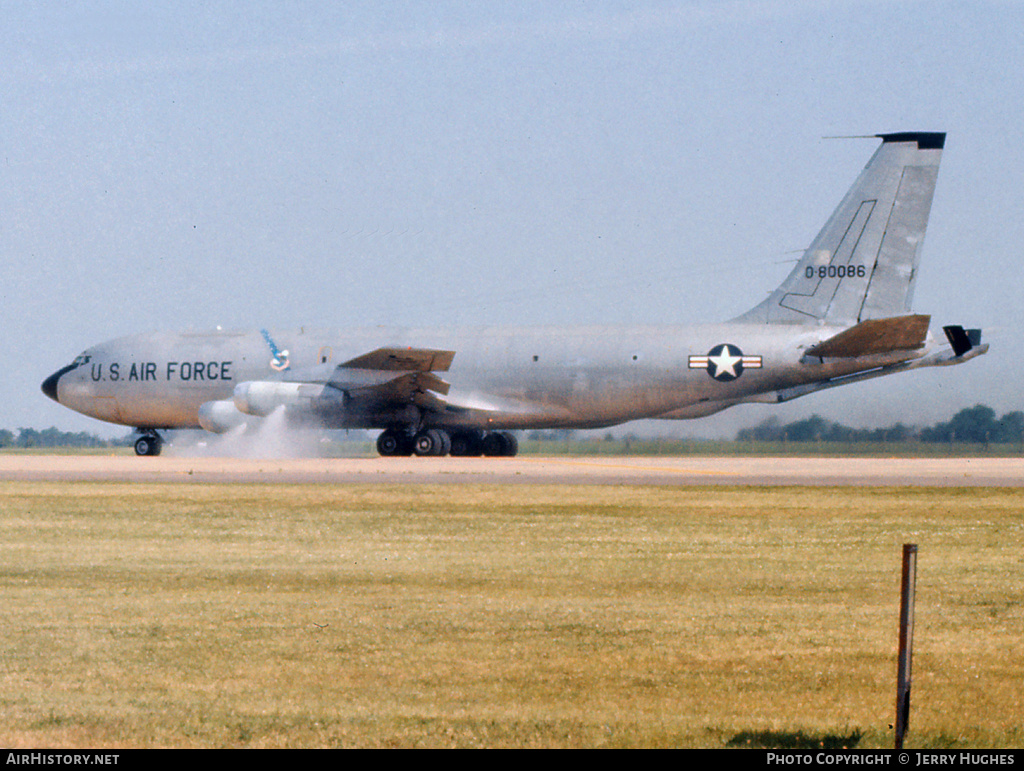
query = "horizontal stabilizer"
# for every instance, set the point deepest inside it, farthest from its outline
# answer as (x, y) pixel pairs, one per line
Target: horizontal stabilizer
(901, 333)
(403, 360)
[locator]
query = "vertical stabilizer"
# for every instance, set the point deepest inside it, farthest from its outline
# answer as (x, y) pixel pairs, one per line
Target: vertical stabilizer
(863, 263)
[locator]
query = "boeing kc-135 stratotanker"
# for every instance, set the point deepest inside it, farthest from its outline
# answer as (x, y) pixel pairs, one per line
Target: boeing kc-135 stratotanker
(842, 316)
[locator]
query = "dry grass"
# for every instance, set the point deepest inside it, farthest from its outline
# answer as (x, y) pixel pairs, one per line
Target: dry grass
(517, 615)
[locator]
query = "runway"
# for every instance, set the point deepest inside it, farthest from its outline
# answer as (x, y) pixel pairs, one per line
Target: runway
(627, 470)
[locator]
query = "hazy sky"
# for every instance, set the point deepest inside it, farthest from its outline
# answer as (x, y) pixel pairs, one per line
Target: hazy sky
(283, 164)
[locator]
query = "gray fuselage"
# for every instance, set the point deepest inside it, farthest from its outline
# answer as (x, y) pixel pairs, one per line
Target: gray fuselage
(528, 377)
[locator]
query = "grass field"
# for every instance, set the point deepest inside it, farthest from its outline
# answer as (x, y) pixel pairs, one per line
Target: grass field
(192, 615)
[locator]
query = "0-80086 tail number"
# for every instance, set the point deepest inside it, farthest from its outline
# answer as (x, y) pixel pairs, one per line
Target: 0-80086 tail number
(836, 271)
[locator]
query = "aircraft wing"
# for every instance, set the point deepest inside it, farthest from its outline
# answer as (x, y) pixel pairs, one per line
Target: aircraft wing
(402, 360)
(391, 379)
(383, 381)
(398, 375)
(384, 386)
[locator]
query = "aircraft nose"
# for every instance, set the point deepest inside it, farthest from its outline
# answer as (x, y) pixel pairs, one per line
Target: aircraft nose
(50, 384)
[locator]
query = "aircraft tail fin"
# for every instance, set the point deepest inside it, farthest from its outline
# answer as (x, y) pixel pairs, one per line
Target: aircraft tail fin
(863, 263)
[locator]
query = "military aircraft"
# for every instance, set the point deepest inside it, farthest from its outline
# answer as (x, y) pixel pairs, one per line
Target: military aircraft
(842, 316)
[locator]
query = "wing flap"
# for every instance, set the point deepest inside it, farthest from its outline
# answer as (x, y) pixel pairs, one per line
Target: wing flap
(403, 360)
(900, 333)
(402, 388)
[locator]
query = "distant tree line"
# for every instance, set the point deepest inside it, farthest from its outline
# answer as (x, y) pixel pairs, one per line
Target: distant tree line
(27, 438)
(975, 424)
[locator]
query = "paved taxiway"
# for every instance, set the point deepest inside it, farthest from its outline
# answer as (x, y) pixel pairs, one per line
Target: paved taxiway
(524, 469)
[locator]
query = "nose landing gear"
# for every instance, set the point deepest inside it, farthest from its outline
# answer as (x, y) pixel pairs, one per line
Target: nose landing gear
(149, 444)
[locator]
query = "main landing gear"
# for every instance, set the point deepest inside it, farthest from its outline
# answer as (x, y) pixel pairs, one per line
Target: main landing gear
(436, 441)
(149, 444)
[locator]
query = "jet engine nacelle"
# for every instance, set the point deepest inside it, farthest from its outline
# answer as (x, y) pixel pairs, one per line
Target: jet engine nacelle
(261, 398)
(220, 417)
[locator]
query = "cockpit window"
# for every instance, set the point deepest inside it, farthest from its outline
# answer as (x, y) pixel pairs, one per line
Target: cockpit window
(82, 359)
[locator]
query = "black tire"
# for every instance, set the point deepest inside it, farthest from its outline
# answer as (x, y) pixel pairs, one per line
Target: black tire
(392, 443)
(467, 444)
(431, 442)
(511, 444)
(148, 446)
(500, 444)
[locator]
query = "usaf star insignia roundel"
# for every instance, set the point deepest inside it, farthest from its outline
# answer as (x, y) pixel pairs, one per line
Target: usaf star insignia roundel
(725, 362)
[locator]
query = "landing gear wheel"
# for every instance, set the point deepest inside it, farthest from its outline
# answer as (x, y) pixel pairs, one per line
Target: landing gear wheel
(511, 444)
(500, 444)
(148, 445)
(466, 444)
(432, 441)
(392, 443)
